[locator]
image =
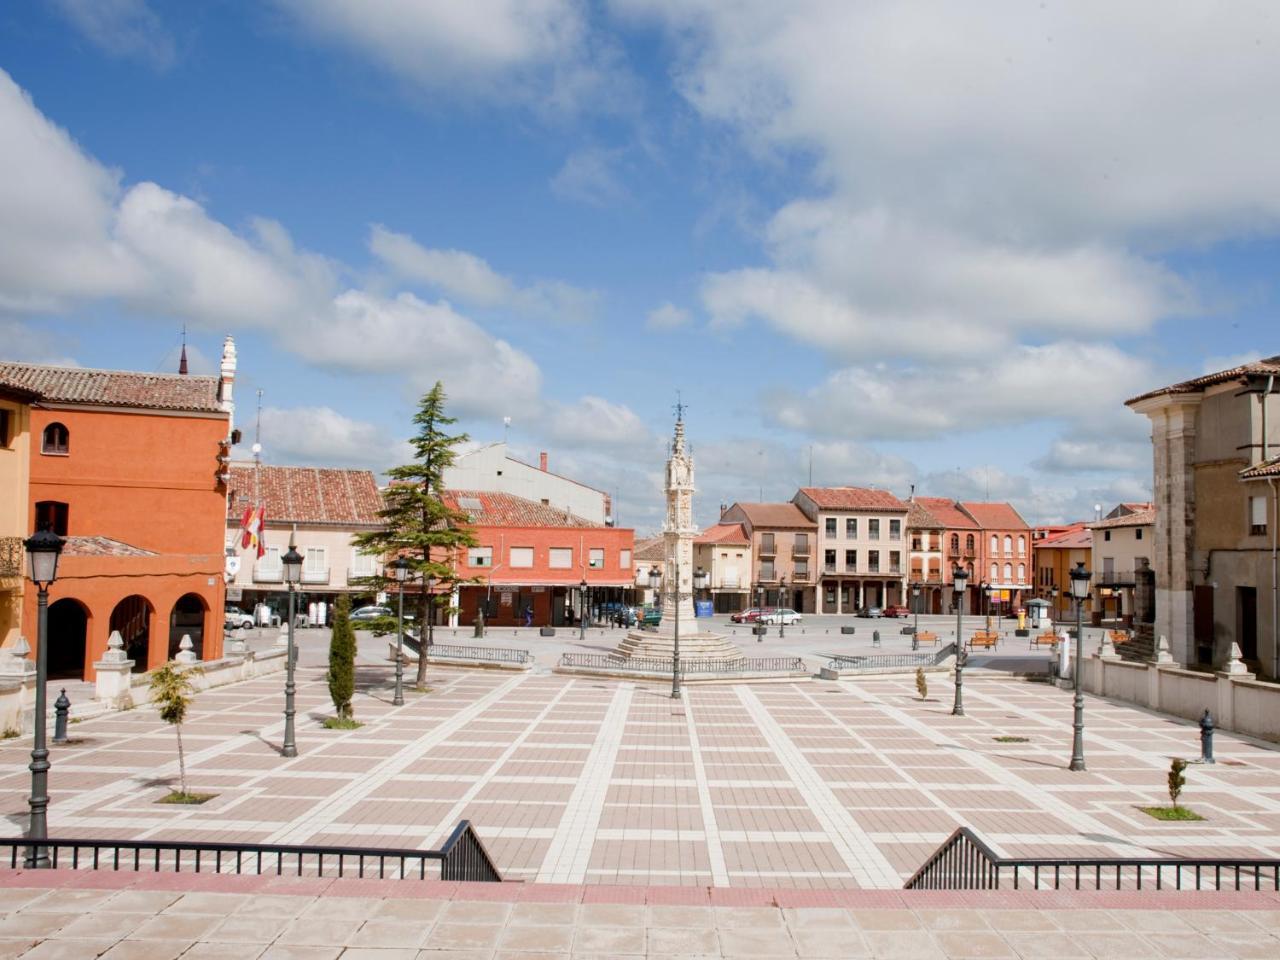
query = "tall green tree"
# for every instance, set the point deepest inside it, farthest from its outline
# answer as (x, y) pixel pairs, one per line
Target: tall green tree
(417, 524)
(342, 660)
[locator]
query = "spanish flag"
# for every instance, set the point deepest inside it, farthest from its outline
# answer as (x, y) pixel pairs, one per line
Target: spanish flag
(252, 525)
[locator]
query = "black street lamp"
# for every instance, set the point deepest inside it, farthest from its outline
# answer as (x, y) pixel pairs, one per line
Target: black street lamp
(431, 615)
(43, 550)
(781, 607)
(959, 581)
(655, 581)
(401, 568)
(292, 562)
(1080, 590)
(915, 607)
(582, 610)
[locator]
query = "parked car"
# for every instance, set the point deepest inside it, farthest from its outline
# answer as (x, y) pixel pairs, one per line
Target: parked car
(784, 615)
(871, 613)
(746, 616)
(894, 610)
(366, 614)
(237, 619)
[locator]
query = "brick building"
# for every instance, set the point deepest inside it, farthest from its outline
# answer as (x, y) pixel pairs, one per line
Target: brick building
(782, 548)
(862, 546)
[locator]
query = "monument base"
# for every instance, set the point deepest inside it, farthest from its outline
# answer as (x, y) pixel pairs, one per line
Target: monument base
(695, 645)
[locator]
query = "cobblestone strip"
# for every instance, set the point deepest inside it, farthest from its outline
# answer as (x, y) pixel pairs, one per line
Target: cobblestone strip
(330, 810)
(710, 830)
(569, 855)
(864, 859)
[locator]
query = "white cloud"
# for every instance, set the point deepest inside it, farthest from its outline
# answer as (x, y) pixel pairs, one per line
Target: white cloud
(1009, 386)
(591, 176)
(594, 422)
(321, 435)
(33, 345)
(471, 279)
(1038, 501)
(1068, 456)
(122, 28)
(667, 316)
(538, 53)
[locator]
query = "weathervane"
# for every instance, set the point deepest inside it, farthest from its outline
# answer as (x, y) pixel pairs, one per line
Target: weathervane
(680, 408)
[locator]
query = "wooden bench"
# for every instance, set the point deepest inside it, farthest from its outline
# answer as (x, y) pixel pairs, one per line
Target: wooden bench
(1044, 640)
(924, 636)
(984, 639)
(1118, 637)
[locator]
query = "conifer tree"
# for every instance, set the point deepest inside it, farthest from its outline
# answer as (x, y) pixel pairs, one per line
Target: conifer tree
(342, 660)
(417, 524)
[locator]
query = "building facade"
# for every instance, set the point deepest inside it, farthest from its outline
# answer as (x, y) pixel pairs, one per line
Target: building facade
(862, 546)
(1213, 552)
(319, 510)
(15, 486)
(1004, 564)
(723, 552)
(1122, 543)
(926, 535)
(783, 541)
(1056, 554)
(530, 561)
(491, 468)
(961, 537)
(130, 468)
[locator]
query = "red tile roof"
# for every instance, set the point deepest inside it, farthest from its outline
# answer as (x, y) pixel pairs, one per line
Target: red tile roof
(102, 547)
(853, 498)
(948, 512)
(1267, 468)
(726, 533)
(1078, 537)
(1139, 518)
(114, 388)
(1196, 385)
(651, 548)
(994, 516)
(489, 509)
(766, 515)
(311, 495)
(919, 518)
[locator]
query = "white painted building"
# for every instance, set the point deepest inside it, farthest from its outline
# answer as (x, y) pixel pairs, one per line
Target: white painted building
(492, 468)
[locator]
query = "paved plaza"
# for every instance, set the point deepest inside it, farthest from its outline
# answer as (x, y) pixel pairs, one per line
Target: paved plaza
(809, 784)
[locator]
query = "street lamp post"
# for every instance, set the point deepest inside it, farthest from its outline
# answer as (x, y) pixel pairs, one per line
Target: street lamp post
(582, 610)
(959, 580)
(782, 617)
(1080, 590)
(401, 568)
(675, 647)
(43, 550)
(431, 615)
(292, 562)
(915, 607)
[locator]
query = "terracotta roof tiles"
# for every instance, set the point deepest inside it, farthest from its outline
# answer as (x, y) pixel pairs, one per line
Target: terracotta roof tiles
(1267, 468)
(766, 515)
(1139, 518)
(726, 533)
(491, 509)
(114, 388)
(311, 495)
(1197, 384)
(852, 498)
(994, 516)
(650, 548)
(948, 512)
(919, 517)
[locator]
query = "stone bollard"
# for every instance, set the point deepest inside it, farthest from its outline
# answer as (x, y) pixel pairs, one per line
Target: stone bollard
(186, 650)
(875, 638)
(1206, 738)
(236, 645)
(61, 707)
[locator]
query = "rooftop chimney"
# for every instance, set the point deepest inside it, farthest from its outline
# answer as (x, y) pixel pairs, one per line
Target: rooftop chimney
(542, 461)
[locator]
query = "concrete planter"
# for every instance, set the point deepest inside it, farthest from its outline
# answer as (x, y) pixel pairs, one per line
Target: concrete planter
(547, 631)
(848, 630)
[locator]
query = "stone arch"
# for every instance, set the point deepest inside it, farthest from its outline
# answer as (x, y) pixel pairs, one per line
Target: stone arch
(132, 616)
(68, 639)
(190, 615)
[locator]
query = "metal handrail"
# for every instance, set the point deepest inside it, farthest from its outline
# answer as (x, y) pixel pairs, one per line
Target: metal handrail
(453, 651)
(965, 862)
(462, 857)
(609, 661)
(884, 661)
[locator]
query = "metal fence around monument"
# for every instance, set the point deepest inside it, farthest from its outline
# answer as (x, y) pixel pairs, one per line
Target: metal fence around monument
(454, 651)
(891, 661)
(691, 667)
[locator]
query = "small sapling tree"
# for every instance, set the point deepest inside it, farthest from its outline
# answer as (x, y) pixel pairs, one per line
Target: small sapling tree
(171, 693)
(922, 685)
(1177, 780)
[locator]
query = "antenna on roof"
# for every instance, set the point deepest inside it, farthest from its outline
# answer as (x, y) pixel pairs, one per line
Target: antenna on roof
(257, 432)
(182, 358)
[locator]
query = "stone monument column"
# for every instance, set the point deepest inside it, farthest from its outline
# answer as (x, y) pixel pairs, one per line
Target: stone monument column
(677, 533)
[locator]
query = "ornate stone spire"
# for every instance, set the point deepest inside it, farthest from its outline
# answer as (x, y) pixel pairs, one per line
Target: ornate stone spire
(678, 533)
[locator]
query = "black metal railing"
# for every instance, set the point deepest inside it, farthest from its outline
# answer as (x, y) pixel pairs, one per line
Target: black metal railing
(695, 667)
(1116, 578)
(891, 661)
(964, 862)
(453, 651)
(462, 857)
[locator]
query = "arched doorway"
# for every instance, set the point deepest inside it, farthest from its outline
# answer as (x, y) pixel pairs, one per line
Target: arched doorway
(68, 631)
(132, 617)
(187, 617)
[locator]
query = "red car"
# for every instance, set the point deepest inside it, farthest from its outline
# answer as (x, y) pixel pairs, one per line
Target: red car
(896, 611)
(751, 615)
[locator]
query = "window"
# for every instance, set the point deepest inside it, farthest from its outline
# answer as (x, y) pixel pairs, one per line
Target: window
(560, 558)
(52, 515)
(522, 556)
(1257, 516)
(624, 559)
(955, 543)
(829, 561)
(4, 428)
(1137, 534)
(851, 559)
(1022, 573)
(595, 558)
(995, 572)
(1008, 572)
(1022, 546)
(766, 543)
(917, 541)
(1106, 534)
(895, 529)
(968, 545)
(802, 569)
(895, 561)
(766, 570)
(480, 556)
(995, 543)
(270, 560)
(831, 527)
(873, 529)
(1008, 544)
(801, 543)
(362, 565)
(873, 559)
(851, 528)
(55, 440)
(315, 560)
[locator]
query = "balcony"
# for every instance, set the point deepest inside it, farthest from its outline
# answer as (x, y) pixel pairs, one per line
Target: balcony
(1115, 578)
(768, 548)
(800, 550)
(800, 576)
(10, 556)
(265, 574)
(315, 576)
(829, 568)
(354, 574)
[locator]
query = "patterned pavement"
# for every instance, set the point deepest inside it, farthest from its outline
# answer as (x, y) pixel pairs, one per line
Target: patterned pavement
(582, 781)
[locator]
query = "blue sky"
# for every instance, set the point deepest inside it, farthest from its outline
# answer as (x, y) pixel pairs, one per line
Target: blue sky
(933, 243)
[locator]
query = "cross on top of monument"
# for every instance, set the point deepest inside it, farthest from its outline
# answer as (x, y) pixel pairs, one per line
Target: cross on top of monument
(680, 408)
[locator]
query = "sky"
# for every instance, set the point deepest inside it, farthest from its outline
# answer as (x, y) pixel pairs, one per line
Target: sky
(919, 243)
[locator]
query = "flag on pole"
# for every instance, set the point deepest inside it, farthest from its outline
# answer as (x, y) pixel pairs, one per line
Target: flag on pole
(252, 525)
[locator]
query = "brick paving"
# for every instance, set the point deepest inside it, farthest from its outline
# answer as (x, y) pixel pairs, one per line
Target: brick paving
(580, 781)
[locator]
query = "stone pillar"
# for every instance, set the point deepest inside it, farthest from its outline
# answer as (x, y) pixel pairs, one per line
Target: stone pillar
(114, 675)
(1233, 670)
(18, 686)
(236, 645)
(186, 651)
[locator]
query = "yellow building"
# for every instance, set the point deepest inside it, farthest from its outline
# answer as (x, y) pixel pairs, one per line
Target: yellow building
(1055, 556)
(15, 470)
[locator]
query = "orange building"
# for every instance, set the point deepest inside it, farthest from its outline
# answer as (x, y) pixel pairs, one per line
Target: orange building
(130, 468)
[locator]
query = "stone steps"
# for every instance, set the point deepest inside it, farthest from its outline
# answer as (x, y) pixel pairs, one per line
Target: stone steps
(694, 646)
